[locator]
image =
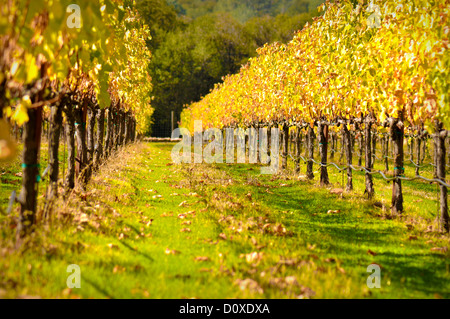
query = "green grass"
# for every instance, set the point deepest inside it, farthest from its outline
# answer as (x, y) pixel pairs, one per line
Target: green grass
(11, 173)
(263, 236)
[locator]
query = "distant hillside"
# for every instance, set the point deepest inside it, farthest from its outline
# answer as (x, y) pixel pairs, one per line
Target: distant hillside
(243, 10)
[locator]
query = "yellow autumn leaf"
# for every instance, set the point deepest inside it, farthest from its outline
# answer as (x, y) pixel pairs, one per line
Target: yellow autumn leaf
(20, 115)
(7, 146)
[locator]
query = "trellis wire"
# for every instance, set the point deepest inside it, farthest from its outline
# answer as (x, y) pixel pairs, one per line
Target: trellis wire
(363, 169)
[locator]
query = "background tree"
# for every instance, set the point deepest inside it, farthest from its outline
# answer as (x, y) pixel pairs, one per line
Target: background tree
(196, 43)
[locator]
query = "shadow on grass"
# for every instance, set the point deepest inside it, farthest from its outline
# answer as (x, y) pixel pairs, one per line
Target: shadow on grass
(98, 288)
(148, 257)
(350, 234)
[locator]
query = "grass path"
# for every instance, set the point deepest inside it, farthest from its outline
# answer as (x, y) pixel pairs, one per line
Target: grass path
(148, 229)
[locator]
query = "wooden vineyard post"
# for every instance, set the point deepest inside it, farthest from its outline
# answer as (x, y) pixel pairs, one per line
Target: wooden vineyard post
(122, 128)
(360, 137)
(257, 143)
(333, 145)
(386, 153)
(374, 146)
(90, 132)
(98, 154)
(80, 127)
(134, 130)
(347, 141)
(116, 123)
(397, 135)
(435, 154)
(310, 141)
(341, 156)
(109, 132)
(441, 134)
(424, 145)
(30, 171)
(53, 161)
(298, 149)
(448, 145)
(411, 148)
(322, 131)
(125, 129)
(418, 145)
(90, 140)
(285, 128)
(69, 183)
(369, 159)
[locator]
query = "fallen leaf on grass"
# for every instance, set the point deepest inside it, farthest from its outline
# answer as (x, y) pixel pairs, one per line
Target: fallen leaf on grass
(81, 218)
(372, 253)
(122, 236)
(279, 229)
(412, 237)
(341, 270)
(337, 191)
(95, 224)
(144, 293)
(185, 230)
(182, 216)
(291, 280)
(126, 229)
(254, 257)
(306, 293)
(188, 222)
(66, 292)
(171, 252)
(440, 249)
(167, 215)
(333, 212)
(193, 194)
(118, 269)
(112, 246)
(116, 214)
(205, 270)
(211, 242)
(182, 204)
(79, 229)
(249, 284)
(223, 236)
(201, 258)
(28, 297)
(276, 229)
